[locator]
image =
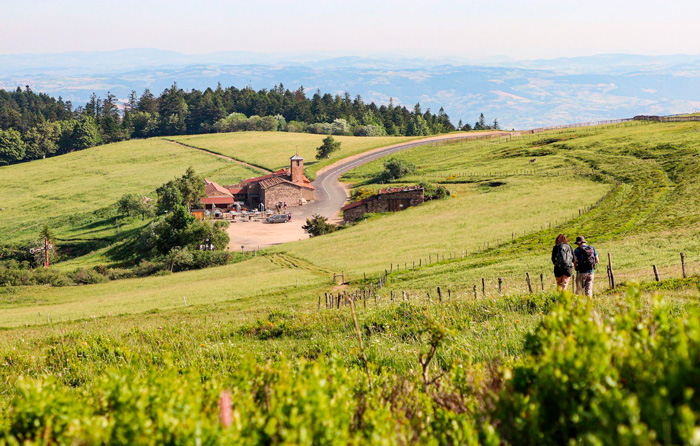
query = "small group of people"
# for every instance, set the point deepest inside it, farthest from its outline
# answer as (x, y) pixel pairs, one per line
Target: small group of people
(583, 260)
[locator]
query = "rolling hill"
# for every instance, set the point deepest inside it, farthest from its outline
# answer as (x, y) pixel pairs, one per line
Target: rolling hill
(175, 355)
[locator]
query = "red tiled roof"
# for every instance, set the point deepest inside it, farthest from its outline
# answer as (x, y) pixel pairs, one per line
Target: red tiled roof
(218, 200)
(264, 177)
(274, 181)
(235, 190)
(306, 183)
(213, 189)
(281, 174)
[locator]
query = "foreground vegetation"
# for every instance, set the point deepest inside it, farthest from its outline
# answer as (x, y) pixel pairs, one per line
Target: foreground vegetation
(612, 371)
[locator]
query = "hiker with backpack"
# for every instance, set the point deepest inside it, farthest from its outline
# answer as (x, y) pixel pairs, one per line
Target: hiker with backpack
(585, 260)
(563, 260)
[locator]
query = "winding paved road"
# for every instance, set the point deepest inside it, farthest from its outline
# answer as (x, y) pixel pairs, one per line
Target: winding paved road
(331, 195)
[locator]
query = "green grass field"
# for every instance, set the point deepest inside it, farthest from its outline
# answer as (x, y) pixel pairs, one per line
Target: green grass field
(132, 354)
(67, 190)
(633, 184)
(509, 210)
(250, 283)
(272, 150)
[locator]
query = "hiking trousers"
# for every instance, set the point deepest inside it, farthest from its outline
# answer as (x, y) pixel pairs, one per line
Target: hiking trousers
(584, 283)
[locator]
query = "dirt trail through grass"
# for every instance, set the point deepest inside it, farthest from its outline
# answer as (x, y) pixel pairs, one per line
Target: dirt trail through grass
(252, 167)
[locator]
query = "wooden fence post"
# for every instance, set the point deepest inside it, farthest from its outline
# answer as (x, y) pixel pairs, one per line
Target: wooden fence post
(439, 294)
(500, 285)
(685, 276)
(319, 302)
(656, 273)
(542, 280)
(529, 282)
(612, 273)
(483, 287)
(475, 292)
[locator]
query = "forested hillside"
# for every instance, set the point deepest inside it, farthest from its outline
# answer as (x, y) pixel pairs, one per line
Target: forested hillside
(34, 126)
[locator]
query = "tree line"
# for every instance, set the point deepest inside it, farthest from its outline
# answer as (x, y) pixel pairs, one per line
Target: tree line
(36, 125)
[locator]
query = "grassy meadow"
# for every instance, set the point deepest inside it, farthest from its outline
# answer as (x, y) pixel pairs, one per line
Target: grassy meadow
(272, 150)
(146, 361)
(634, 185)
(68, 191)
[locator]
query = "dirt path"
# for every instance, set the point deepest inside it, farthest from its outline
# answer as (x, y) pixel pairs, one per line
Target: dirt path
(218, 155)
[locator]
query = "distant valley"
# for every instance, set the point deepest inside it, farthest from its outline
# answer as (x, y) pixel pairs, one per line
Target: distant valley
(520, 94)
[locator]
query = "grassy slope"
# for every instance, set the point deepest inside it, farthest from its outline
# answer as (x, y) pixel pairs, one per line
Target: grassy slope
(652, 208)
(236, 311)
(649, 219)
(273, 149)
(248, 284)
(64, 190)
(471, 219)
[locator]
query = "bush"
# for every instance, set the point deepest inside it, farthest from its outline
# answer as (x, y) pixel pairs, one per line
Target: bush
(88, 276)
(395, 168)
(296, 126)
(318, 225)
(632, 378)
(206, 259)
(369, 130)
(329, 146)
(433, 192)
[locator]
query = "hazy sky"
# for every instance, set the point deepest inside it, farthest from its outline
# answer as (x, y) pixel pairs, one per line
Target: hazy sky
(519, 29)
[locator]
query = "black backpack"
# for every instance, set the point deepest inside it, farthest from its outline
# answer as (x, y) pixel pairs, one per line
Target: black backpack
(587, 261)
(564, 258)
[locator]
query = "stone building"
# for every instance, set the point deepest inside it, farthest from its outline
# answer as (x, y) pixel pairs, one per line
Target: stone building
(288, 185)
(386, 200)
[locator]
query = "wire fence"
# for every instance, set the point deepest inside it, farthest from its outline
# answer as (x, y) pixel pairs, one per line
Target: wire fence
(386, 290)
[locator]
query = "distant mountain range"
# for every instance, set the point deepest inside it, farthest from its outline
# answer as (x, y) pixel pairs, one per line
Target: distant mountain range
(520, 94)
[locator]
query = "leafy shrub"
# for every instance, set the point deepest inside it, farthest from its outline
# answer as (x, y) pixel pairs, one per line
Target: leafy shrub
(395, 168)
(369, 130)
(434, 192)
(88, 276)
(318, 225)
(631, 378)
(361, 193)
(329, 146)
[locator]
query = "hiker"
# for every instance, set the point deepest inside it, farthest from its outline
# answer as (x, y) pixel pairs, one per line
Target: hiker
(585, 260)
(563, 260)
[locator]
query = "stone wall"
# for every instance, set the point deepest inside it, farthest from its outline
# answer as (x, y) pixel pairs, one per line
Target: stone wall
(283, 192)
(308, 194)
(388, 202)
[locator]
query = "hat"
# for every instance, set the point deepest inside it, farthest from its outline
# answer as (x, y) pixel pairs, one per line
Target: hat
(580, 239)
